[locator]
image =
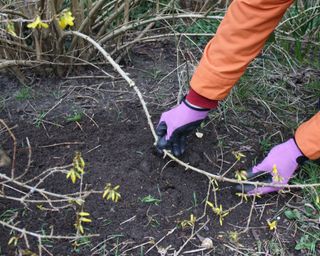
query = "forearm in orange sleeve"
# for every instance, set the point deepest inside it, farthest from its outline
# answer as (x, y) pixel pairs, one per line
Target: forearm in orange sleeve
(307, 137)
(239, 38)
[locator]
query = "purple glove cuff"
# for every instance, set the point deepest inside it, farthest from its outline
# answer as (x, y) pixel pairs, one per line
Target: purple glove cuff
(295, 151)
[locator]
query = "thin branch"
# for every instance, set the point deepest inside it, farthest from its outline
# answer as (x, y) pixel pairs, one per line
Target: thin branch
(33, 189)
(62, 144)
(39, 236)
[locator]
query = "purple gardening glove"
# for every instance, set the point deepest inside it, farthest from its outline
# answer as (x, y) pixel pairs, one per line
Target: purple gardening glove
(277, 168)
(175, 124)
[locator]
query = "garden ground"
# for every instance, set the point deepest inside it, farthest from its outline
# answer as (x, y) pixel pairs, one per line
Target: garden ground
(104, 120)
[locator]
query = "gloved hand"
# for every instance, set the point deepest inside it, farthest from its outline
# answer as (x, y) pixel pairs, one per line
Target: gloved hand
(277, 168)
(175, 124)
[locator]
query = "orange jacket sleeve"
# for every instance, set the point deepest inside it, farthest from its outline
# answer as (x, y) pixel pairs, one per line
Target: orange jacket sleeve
(239, 38)
(308, 137)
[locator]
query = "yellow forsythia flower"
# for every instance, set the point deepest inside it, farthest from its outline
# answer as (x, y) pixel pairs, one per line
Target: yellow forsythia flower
(188, 223)
(38, 23)
(276, 175)
(13, 240)
(78, 168)
(238, 155)
(84, 214)
(82, 217)
(111, 193)
(218, 211)
(73, 175)
(243, 196)
(234, 236)
(66, 19)
(272, 225)
(241, 175)
(10, 29)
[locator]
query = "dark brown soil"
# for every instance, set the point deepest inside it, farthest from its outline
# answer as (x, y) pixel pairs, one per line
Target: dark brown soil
(118, 148)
